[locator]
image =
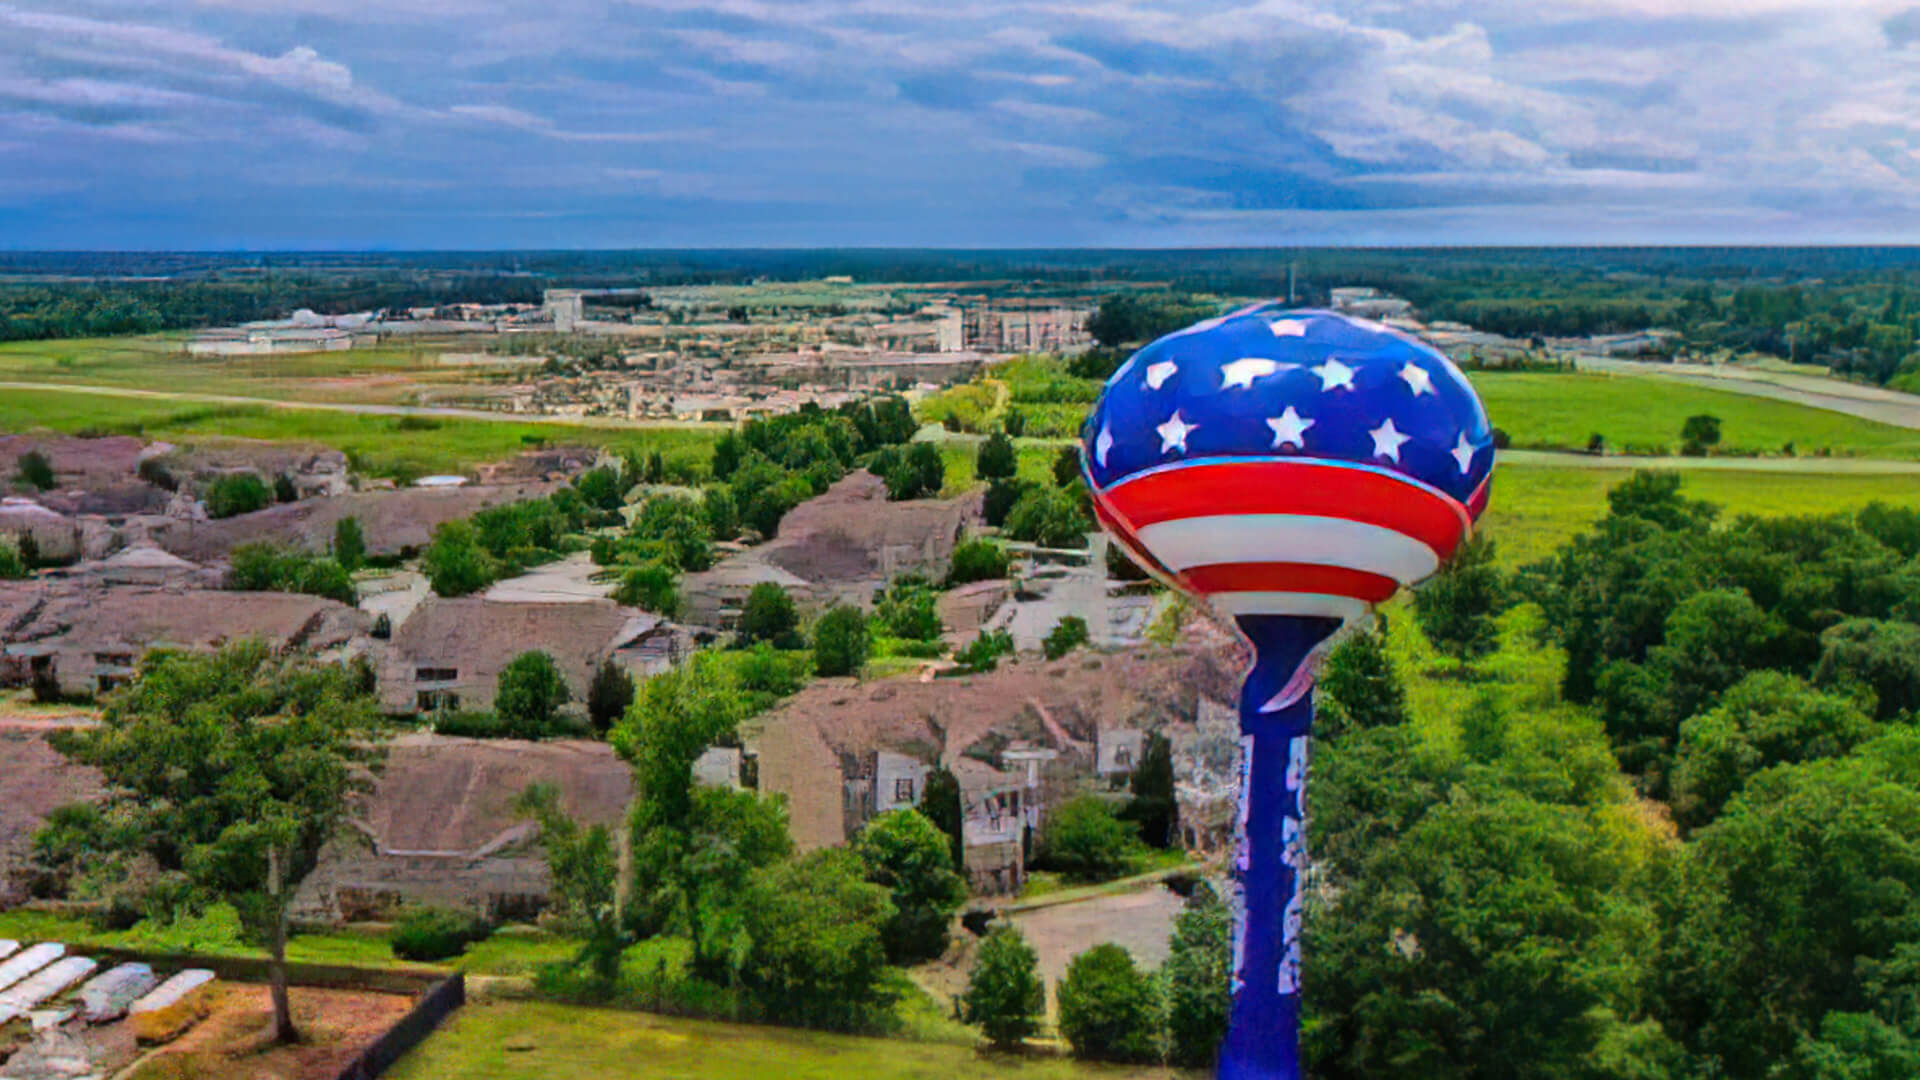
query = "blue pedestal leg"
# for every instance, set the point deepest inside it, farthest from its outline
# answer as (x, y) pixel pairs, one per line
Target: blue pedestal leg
(1263, 1033)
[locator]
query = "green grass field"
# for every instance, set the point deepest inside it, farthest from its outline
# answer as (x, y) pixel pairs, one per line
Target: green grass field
(379, 445)
(537, 1041)
(1642, 414)
(1534, 510)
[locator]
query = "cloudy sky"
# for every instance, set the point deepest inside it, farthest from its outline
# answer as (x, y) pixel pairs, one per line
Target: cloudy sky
(637, 123)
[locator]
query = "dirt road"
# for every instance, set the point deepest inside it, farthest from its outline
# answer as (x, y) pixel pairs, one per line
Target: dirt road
(363, 409)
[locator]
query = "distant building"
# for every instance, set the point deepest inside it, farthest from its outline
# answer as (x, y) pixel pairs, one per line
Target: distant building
(1117, 753)
(1206, 777)
(449, 653)
(993, 827)
(1369, 303)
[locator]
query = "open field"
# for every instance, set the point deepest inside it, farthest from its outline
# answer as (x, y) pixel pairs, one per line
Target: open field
(535, 1041)
(1535, 509)
(1642, 414)
(378, 444)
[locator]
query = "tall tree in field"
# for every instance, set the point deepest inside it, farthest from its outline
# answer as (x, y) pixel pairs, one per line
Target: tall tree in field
(1004, 993)
(1457, 607)
(231, 771)
(349, 544)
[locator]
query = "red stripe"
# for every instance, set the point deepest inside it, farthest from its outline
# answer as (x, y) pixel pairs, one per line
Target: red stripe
(1129, 542)
(1291, 577)
(1291, 487)
(1477, 502)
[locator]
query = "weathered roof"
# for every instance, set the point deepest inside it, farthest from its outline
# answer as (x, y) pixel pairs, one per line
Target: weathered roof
(193, 619)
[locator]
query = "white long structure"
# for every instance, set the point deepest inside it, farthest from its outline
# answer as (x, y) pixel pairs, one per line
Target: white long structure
(169, 993)
(29, 962)
(107, 996)
(42, 986)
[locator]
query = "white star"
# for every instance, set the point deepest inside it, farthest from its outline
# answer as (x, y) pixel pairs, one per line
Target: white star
(1288, 328)
(1103, 443)
(1243, 371)
(1386, 441)
(1333, 373)
(1417, 378)
(1173, 433)
(1289, 427)
(1160, 373)
(1463, 453)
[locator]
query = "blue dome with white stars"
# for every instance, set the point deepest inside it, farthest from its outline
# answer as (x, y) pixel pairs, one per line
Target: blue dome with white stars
(1271, 382)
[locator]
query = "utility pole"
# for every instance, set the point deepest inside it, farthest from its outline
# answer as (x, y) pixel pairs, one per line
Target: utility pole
(1291, 267)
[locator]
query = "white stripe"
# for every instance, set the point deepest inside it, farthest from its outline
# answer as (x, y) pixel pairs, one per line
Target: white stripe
(1301, 538)
(1322, 605)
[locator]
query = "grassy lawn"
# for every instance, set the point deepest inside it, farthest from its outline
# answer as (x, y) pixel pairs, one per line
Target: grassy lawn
(1535, 510)
(509, 952)
(537, 1041)
(1644, 414)
(379, 445)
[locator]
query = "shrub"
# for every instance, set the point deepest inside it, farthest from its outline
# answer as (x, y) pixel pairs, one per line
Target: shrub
(653, 586)
(237, 493)
(1066, 467)
(976, 560)
(1014, 423)
(12, 565)
(1086, 841)
(908, 609)
(153, 472)
(429, 935)
(1198, 976)
(1004, 993)
(986, 650)
(1109, 1009)
(840, 642)
(1049, 517)
(283, 489)
(1067, 635)
(907, 853)
(36, 471)
(722, 513)
(1699, 434)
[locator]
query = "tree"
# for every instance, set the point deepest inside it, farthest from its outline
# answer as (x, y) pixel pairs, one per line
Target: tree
(1767, 719)
(722, 513)
(769, 615)
(654, 586)
(1110, 1010)
(1809, 879)
(609, 695)
(996, 460)
(1067, 635)
(704, 866)
(1049, 517)
(1882, 656)
(34, 470)
(1199, 981)
(454, 562)
(1066, 467)
(1000, 499)
(1699, 434)
(1457, 607)
(680, 527)
(1014, 423)
(814, 954)
(840, 642)
(349, 544)
(230, 771)
(585, 870)
(531, 692)
(976, 560)
(1153, 807)
(941, 805)
(908, 854)
(1004, 993)
(1086, 841)
(1359, 687)
(237, 493)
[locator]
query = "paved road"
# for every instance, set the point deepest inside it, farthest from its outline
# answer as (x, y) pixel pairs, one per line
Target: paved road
(360, 408)
(1819, 392)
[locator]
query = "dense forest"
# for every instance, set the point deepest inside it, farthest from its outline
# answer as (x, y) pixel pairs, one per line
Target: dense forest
(1733, 891)
(1847, 308)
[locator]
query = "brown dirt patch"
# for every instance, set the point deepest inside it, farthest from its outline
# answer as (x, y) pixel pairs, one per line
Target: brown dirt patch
(34, 779)
(234, 1043)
